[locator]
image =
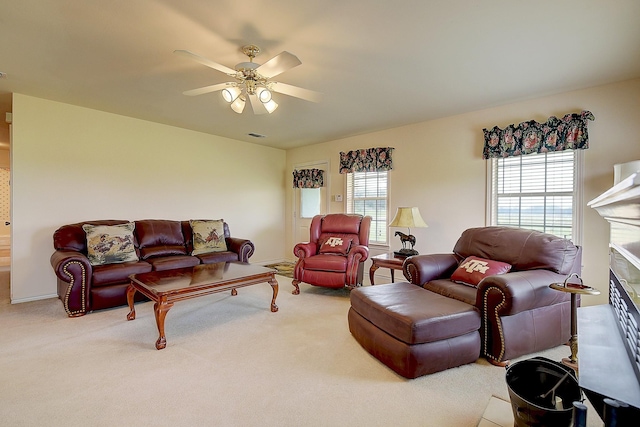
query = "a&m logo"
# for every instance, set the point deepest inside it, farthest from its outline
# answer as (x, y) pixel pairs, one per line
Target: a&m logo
(333, 241)
(475, 265)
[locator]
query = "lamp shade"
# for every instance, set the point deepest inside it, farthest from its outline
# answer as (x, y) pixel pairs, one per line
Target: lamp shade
(407, 217)
(271, 106)
(230, 94)
(238, 105)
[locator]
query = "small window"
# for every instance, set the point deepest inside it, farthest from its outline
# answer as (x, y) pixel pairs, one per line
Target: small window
(367, 195)
(537, 191)
(309, 202)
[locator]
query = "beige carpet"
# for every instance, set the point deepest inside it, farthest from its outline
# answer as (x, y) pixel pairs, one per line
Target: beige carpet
(229, 361)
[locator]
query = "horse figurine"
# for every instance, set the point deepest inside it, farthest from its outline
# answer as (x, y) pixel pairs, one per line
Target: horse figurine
(404, 238)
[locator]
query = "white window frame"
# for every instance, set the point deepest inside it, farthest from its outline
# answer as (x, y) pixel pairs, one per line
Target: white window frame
(577, 220)
(377, 225)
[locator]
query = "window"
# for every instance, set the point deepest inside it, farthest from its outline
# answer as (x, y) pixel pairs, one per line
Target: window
(367, 195)
(309, 202)
(539, 192)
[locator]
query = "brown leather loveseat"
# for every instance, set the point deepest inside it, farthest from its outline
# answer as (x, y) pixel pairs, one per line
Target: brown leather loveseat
(520, 314)
(159, 245)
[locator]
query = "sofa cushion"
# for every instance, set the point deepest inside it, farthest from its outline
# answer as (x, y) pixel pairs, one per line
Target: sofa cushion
(110, 274)
(447, 288)
(208, 236)
(72, 237)
(335, 245)
(473, 269)
(213, 257)
(341, 223)
(523, 249)
(159, 237)
(173, 261)
(110, 244)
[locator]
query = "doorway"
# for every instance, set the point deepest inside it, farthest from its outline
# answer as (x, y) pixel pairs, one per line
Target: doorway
(309, 202)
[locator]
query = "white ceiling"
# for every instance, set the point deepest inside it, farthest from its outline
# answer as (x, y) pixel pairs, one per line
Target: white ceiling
(379, 64)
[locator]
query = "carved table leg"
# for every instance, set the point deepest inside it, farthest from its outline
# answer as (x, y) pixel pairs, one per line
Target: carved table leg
(296, 291)
(131, 291)
(234, 292)
(161, 308)
(372, 270)
(274, 285)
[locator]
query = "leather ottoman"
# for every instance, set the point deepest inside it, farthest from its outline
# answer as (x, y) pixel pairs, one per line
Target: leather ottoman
(412, 330)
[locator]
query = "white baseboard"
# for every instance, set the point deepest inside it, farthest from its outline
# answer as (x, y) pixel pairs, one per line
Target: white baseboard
(30, 299)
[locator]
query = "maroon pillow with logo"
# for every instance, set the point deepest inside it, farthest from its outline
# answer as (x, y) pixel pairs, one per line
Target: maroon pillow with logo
(335, 245)
(473, 269)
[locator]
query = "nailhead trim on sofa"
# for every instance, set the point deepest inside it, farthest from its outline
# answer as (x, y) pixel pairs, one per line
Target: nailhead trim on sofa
(83, 308)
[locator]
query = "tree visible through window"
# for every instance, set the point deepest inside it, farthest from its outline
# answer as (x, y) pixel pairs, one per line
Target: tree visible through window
(536, 191)
(367, 195)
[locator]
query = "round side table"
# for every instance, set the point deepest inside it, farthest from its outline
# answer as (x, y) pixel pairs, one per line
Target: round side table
(574, 289)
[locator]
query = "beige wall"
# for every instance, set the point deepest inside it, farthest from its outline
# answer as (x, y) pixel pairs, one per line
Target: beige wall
(438, 167)
(72, 164)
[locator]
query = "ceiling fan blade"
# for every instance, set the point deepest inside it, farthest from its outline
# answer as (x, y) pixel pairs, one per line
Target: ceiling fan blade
(206, 89)
(278, 64)
(204, 61)
(298, 92)
(257, 106)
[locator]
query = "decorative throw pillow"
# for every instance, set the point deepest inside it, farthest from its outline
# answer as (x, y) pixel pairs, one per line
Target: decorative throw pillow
(335, 245)
(208, 236)
(474, 269)
(110, 244)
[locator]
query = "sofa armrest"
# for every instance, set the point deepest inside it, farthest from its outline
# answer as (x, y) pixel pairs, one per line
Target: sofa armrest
(509, 294)
(243, 247)
(73, 269)
(356, 256)
(420, 269)
(515, 292)
(305, 250)
(357, 253)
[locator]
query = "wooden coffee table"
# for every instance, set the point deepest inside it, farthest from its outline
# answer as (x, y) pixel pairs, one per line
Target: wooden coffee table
(167, 287)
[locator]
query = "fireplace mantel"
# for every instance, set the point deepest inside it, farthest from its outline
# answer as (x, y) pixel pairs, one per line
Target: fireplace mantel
(609, 334)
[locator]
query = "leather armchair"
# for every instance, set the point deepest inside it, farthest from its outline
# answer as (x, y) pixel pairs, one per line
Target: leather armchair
(520, 314)
(335, 253)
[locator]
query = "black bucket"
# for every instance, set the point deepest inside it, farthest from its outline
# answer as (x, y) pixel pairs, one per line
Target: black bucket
(542, 393)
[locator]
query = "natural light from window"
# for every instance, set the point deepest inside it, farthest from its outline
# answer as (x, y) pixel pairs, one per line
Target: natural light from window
(367, 194)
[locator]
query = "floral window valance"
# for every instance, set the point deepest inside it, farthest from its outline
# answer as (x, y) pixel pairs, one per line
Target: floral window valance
(567, 133)
(366, 160)
(308, 178)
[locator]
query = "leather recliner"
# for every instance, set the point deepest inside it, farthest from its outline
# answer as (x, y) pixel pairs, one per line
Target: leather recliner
(335, 253)
(520, 313)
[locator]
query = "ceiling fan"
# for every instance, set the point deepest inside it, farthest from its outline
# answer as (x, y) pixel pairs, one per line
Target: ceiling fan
(253, 81)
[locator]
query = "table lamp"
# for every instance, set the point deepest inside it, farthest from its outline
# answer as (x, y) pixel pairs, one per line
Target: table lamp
(407, 217)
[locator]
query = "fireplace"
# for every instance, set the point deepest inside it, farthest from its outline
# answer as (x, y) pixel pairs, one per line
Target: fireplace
(609, 335)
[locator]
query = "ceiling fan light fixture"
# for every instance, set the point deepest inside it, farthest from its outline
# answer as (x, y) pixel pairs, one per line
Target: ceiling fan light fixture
(252, 81)
(230, 94)
(238, 105)
(271, 106)
(264, 96)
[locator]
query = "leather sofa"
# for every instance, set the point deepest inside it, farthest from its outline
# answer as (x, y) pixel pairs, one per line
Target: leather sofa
(159, 245)
(520, 313)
